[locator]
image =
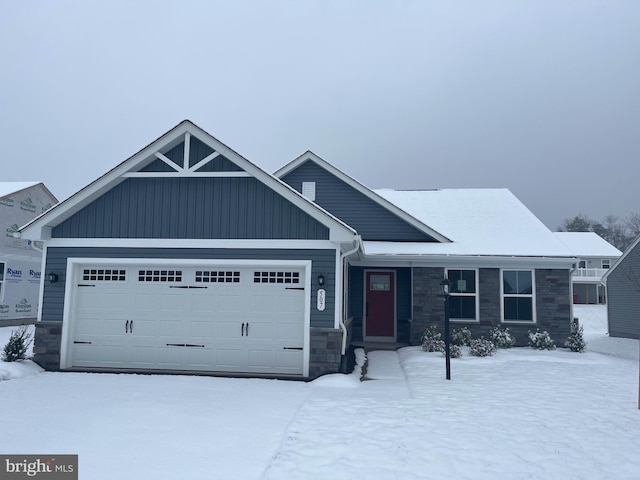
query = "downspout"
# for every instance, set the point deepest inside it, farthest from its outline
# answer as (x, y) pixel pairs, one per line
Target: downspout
(35, 247)
(343, 263)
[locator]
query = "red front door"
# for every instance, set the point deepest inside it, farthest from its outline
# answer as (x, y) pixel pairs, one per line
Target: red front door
(380, 304)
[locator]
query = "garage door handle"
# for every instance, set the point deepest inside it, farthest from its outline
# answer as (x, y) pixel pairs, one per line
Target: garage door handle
(242, 329)
(126, 326)
(131, 326)
(247, 329)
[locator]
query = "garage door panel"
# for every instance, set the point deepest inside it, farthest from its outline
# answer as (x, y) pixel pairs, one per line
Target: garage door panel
(289, 361)
(173, 303)
(292, 332)
(261, 358)
(204, 330)
(261, 328)
(228, 358)
(202, 303)
(199, 307)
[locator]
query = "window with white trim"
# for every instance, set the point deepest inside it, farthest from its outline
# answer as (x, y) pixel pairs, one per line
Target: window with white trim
(606, 263)
(463, 298)
(518, 303)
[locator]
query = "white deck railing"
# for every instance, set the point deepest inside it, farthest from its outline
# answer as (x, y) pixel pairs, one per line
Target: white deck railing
(594, 273)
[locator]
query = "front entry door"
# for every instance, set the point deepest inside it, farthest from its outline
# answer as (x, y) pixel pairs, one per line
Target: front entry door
(380, 305)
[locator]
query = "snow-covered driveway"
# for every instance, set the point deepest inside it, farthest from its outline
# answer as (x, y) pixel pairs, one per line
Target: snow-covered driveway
(521, 414)
(150, 426)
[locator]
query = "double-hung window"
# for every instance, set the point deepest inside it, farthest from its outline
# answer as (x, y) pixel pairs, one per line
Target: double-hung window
(518, 302)
(463, 299)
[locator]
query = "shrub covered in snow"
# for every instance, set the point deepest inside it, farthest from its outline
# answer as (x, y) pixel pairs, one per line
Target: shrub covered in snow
(501, 337)
(541, 340)
(575, 341)
(481, 347)
(455, 351)
(461, 337)
(431, 340)
(17, 346)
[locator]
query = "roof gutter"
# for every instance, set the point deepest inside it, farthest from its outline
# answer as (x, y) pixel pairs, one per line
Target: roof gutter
(343, 263)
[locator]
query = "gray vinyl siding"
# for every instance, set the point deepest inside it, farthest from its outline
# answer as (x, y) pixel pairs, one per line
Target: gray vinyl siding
(623, 297)
(192, 208)
(323, 262)
(371, 220)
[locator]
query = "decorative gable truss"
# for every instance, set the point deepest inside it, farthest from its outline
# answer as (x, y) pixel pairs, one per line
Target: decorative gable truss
(259, 205)
(189, 158)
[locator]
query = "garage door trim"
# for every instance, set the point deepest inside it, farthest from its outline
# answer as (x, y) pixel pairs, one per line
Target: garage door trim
(74, 265)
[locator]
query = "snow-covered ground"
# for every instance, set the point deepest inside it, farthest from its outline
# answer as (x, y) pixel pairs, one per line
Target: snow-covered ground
(521, 414)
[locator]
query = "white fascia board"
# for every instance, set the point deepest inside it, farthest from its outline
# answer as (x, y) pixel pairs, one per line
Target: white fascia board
(60, 212)
(65, 209)
(366, 191)
(621, 259)
(466, 261)
(342, 230)
(196, 243)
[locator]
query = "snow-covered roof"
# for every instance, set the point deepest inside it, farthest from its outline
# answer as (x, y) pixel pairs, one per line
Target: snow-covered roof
(7, 188)
(480, 222)
(587, 244)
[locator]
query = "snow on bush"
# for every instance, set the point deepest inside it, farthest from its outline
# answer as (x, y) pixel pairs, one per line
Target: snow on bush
(461, 337)
(17, 346)
(455, 351)
(501, 338)
(575, 341)
(481, 347)
(431, 340)
(541, 340)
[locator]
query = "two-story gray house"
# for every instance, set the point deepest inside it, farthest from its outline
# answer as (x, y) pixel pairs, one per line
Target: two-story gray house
(187, 257)
(595, 258)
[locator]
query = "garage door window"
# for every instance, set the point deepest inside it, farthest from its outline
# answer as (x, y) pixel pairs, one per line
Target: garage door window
(104, 275)
(160, 275)
(276, 277)
(204, 276)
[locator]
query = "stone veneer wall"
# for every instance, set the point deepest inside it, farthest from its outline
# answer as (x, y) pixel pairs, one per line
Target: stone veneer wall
(326, 351)
(46, 347)
(553, 304)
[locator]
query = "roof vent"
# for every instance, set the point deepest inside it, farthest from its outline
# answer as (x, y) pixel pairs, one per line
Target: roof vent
(309, 190)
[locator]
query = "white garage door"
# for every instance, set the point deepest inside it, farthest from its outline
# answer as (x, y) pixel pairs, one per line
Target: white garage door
(224, 318)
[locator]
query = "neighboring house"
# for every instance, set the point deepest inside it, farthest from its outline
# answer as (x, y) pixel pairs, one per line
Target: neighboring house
(623, 285)
(20, 263)
(187, 257)
(595, 257)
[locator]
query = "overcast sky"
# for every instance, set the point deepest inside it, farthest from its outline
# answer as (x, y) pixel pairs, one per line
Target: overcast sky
(541, 97)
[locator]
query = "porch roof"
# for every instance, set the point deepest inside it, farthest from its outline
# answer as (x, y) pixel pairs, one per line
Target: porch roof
(480, 222)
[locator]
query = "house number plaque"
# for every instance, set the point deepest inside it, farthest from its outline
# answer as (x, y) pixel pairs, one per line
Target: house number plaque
(321, 299)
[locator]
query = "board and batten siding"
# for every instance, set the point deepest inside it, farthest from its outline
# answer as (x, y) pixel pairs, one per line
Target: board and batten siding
(371, 220)
(323, 262)
(623, 296)
(192, 208)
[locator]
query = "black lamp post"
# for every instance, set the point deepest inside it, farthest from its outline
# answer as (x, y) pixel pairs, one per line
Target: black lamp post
(446, 286)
